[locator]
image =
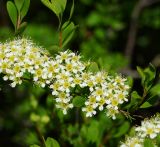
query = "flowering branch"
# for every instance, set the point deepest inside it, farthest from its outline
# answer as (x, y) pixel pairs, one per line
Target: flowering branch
(62, 75)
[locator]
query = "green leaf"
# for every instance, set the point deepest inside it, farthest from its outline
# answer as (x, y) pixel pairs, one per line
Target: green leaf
(148, 143)
(93, 67)
(72, 10)
(61, 4)
(12, 11)
(146, 105)
(78, 101)
(135, 99)
(141, 73)
(158, 140)
(19, 4)
(150, 74)
(123, 129)
(57, 6)
(50, 142)
(67, 32)
(25, 8)
(34, 145)
(155, 90)
(93, 132)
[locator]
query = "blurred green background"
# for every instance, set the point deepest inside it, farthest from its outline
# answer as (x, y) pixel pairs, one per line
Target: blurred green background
(117, 34)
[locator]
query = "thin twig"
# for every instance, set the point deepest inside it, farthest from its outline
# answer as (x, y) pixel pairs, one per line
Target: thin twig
(40, 136)
(133, 29)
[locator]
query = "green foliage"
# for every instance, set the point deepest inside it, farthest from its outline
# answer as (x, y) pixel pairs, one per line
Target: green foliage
(57, 6)
(71, 11)
(25, 8)
(79, 101)
(19, 4)
(50, 142)
(93, 67)
(100, 37)
(148, 143)
(17, 11)
(12, 11)
(123, 129)
(68, 30)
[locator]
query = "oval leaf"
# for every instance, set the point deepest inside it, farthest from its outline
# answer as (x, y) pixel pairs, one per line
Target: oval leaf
(50, 142)
(12, 11)
(25, 8)
(19, 4)
(67, 33)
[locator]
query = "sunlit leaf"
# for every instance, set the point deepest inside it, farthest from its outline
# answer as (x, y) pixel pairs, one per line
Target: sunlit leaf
(146, 105)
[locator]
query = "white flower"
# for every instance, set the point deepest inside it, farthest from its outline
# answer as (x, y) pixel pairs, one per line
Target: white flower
(64, 74)
(132, 142)
(90, 110)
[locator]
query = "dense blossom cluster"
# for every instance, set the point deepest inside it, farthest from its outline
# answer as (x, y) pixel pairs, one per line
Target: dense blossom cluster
(149, 128)
(62, 75)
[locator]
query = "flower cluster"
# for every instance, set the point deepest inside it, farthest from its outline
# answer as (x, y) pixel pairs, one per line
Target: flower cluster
(62, 74)
(149, 128)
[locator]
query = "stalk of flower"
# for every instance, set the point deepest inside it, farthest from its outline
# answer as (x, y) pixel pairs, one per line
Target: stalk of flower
(62, 74)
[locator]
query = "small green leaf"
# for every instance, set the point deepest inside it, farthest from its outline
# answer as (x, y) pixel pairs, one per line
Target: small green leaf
(57, 6)
(123, 129)
(51, 6)
(141, 73)
(93, 132)
(67, 33)
(135, 99)
(50, 142)
(78, 101)
(148, 143)
(93, 67)
(61, 4)
(155, 90)
(19, 4)
(12, 11)
(25, 8)
(34, 145)
(135, 95)
(72, 10)
(146, 105)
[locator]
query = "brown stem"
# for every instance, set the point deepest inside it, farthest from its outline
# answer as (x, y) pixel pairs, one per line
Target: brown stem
(18, 23)
(40, 136)
(133, 30)
(60, 39)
